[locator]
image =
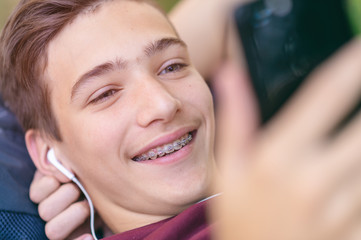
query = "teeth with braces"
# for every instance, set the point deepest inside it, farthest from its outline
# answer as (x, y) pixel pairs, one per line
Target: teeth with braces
(165, 149)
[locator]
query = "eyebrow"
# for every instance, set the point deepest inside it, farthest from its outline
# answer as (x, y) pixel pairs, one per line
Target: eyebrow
(162, 44)
(97, 71)
(150, 50)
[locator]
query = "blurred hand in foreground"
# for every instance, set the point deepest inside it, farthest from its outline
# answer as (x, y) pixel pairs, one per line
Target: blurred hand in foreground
(295, 178)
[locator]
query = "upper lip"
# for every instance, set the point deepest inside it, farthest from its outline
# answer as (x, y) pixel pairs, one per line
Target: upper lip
(169, 138)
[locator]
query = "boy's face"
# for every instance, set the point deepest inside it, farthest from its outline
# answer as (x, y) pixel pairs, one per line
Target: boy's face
(121, 85)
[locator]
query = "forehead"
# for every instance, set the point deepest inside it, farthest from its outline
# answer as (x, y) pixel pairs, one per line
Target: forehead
(127, 16)
(116, 28)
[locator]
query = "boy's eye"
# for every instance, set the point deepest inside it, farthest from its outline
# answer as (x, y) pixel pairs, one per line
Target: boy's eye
(173, 68)
(104, 96)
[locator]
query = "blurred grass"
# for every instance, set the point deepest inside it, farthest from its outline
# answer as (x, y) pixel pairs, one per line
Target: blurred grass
(6, 6)
(167, 4)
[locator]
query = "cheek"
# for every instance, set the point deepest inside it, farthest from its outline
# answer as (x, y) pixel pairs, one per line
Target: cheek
(103, 134)
(198, 95)
(97, 138)
(202, 101)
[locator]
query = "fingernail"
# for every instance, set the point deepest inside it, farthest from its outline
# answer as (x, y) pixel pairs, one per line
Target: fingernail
(88, 238)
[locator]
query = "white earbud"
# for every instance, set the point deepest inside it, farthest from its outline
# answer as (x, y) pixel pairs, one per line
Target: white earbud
(52, 159)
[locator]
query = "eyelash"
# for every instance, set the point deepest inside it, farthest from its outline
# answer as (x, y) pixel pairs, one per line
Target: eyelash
(176, 67)
(104, 96)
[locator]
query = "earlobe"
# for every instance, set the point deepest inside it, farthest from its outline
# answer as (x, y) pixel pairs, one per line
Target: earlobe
(38, 147)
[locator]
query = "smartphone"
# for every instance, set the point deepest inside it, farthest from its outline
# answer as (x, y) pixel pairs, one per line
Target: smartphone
(284, 40)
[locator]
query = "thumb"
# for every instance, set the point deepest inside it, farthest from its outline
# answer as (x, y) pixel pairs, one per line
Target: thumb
(237, 122)
(237, 112)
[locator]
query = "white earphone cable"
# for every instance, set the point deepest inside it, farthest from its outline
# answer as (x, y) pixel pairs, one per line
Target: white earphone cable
(76, 181)
(53, 160)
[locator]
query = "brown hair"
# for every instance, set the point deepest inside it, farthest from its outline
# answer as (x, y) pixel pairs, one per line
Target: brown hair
(23, 57)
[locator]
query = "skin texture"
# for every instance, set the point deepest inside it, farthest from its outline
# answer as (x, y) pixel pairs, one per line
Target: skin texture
(294, 181)
(146, 97)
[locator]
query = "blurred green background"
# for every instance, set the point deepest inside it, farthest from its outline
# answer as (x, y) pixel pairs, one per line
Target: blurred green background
(6, 6)
(167, 4)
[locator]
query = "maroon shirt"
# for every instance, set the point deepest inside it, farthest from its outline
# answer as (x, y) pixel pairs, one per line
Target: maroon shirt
(191, 224)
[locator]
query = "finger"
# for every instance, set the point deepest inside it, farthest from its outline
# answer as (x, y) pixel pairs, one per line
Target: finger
(84, 237)
(341, 180)
(99, 226)
(65, 223)
(344, 151)
(58, 201)
(355, 232)
(42, 186)
(237, 116)
(343, 210)
(325, 98)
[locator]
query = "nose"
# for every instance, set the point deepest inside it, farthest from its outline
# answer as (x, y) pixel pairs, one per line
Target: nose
(155, 102)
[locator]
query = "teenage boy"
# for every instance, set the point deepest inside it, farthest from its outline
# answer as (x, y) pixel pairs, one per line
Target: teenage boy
(126, 112)
(116, 97)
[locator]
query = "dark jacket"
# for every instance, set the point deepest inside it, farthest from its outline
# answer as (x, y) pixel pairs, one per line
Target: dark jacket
(18, 215)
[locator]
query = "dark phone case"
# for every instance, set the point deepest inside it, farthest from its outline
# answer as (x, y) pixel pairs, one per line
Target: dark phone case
(281, 50)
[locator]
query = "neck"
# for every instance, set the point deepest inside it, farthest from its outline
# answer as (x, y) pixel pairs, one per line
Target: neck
(120, 219)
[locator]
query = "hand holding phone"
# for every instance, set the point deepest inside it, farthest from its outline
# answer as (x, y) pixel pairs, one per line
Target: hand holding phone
(284, 40)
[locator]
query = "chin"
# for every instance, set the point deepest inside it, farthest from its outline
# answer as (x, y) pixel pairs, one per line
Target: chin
(191, 195)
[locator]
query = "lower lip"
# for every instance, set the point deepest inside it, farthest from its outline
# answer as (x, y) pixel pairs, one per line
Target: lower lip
(175, 156)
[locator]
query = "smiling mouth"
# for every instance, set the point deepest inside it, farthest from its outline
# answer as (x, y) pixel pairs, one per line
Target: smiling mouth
(165, 149)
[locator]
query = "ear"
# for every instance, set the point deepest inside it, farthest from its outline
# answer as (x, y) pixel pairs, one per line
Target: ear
(38, 146)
